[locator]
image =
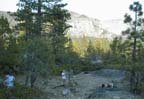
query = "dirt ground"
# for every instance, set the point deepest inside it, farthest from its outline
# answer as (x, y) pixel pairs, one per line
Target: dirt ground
(87, 86)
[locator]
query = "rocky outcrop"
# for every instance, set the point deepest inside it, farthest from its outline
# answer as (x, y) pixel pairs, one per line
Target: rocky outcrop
(90, 27)
(88, 85)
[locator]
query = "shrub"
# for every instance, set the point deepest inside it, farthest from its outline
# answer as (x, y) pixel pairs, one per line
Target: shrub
(19, 92)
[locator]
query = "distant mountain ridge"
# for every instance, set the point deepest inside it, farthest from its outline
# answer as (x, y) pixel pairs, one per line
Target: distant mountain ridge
(83, 25)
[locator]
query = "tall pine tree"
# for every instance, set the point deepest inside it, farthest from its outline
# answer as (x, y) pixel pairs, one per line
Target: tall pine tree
(135, 26)
(58, 35)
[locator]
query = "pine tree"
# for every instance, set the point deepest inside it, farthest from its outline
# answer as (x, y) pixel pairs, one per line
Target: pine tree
(91, 51)
(9, 49)
(58, 35)
(134, 31)
(32, 16)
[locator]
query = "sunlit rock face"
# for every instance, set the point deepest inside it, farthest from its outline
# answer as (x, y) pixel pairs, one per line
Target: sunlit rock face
(90, 27)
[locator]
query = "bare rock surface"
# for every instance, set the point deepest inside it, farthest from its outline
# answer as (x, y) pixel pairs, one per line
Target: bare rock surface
(87, 86)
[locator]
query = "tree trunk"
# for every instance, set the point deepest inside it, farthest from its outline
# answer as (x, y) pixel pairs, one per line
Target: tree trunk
(39, 22)
(134, 51)
(135, 40)
(27, 79)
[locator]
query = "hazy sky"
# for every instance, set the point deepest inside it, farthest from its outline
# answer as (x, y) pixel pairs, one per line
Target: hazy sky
(101, 9)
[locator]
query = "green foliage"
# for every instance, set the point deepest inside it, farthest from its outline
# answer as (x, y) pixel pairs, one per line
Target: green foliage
(80, 45)
(37, 54)
(10, 49)
(135, 33)
(28, 16)
(77, 68)
(100, 45)
(91, 51)
(57, 35)
(136, 77)
(33, 17)
(19, 92)
(141, 87)
(4, 26)
(56, 70)
(4, 32)
(120, 51)
(10, 55)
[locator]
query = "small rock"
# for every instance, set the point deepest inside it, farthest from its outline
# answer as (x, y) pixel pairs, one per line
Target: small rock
(116, 97)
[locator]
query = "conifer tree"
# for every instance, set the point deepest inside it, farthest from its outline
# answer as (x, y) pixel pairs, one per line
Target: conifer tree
(134, 30)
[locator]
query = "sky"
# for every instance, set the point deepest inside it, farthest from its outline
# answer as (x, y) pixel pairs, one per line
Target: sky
(100, 9)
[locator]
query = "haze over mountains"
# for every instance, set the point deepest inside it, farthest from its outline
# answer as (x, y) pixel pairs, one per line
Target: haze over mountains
(90, 27)
(85, 26)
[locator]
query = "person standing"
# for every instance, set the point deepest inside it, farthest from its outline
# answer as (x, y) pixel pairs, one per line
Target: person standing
(9, 80)
(64, 77)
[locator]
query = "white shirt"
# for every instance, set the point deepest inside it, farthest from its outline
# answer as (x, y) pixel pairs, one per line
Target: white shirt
(9, 82)
(63, 75)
